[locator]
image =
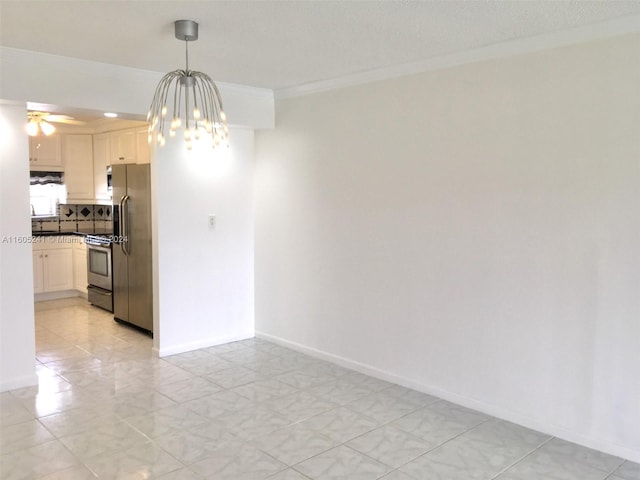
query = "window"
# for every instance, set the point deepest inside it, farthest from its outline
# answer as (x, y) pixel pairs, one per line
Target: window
(46, 192)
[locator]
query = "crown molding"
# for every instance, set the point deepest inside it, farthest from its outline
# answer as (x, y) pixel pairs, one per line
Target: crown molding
(612, 28)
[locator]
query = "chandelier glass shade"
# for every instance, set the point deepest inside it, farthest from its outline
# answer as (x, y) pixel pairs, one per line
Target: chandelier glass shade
(188, 102)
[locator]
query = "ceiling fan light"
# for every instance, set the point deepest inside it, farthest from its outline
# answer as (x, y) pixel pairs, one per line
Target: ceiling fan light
(47, 128)
(32, 128)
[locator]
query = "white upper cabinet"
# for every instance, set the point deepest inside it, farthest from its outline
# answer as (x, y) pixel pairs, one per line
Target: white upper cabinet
(129, 146)
(78, 166)
(45, 153)
(101, 160)
(123, 146)
(113, 148)
(142, 145)
(85, 156)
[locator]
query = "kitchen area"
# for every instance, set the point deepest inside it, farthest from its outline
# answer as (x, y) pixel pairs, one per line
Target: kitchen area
(91, 213)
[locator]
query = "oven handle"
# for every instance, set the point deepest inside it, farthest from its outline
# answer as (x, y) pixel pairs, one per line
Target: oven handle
(124, 224)
(97, 246)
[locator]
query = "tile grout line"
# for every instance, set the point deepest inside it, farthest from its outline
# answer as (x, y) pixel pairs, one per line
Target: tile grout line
(612, 473)
(445, 442)
(393, 469)
(522, 458)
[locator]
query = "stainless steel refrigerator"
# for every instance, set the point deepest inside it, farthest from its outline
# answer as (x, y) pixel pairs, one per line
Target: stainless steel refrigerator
(132, 264)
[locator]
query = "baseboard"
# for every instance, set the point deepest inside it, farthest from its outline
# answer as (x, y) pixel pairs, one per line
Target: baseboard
(203, 343)
(19, 382)
(465, 401)
(43, 297)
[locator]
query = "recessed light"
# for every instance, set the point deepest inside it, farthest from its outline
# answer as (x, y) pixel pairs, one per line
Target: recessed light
(110, 114)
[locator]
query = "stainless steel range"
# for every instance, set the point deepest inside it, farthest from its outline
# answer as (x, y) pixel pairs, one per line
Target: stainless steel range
(99, 271)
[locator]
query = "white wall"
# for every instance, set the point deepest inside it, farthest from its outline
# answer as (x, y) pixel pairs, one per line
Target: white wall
(17, 346)
(205, 275)
(472, 232)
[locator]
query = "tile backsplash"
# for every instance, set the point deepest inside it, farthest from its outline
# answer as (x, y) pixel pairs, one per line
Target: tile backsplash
(78, 218)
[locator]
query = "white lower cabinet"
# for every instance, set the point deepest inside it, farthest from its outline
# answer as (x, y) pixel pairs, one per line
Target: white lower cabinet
(59, 263)
(52, 269)
(80, 266)
(38, 271)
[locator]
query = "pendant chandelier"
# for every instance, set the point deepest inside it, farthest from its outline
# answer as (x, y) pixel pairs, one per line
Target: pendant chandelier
(187, 101)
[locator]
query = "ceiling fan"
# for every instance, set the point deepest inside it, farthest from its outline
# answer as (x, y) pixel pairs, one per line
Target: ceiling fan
(40, 122)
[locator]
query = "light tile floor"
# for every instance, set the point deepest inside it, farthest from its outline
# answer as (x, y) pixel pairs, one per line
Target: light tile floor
(107, 408)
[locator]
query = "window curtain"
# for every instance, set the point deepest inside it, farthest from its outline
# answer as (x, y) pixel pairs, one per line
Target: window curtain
(46, 178)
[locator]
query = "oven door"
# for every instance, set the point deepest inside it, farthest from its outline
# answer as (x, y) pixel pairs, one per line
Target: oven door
(99, 266)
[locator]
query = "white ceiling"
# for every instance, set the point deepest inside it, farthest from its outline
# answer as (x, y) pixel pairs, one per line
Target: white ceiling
(283, 44)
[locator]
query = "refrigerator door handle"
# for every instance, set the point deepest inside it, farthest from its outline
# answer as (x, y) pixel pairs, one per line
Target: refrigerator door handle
(124, 225)
(120, 227)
